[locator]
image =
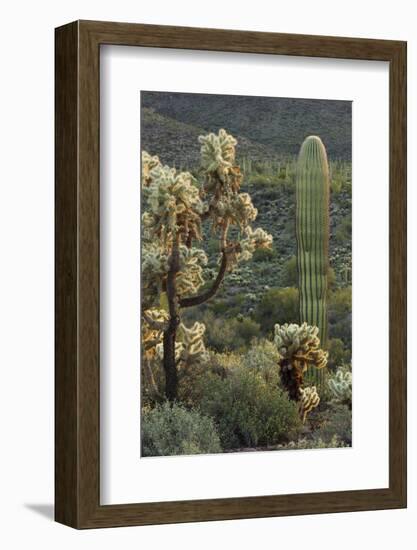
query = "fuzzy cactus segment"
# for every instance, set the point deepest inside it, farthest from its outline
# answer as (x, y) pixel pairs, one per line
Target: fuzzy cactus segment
(190, 275)
(300, 344)
(299, 349)
(253, 240)
(340, 386)
(154, 322)
(173, 201)
(189, 349)
(218, 152)
(309, 400)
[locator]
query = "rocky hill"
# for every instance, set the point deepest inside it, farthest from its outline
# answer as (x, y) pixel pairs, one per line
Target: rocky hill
(267, 126)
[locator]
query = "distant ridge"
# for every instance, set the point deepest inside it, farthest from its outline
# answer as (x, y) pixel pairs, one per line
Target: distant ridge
(176, 143)
(270, 126)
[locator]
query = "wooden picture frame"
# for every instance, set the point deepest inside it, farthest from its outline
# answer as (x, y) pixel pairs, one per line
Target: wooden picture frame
(77, 382)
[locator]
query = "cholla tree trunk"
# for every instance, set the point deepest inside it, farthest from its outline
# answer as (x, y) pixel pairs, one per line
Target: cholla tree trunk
(169, 362)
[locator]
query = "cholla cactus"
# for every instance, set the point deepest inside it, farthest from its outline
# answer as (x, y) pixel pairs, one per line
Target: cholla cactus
(190, 274)
(218, 152)
(154, 322)
(252, 241)
(192, 342)
(309, 399)
(299, 349)
(175, 204)
(189, 349)
(340, 386)
(300, 344)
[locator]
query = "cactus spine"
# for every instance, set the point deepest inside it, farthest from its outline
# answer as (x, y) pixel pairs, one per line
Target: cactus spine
(312, 232)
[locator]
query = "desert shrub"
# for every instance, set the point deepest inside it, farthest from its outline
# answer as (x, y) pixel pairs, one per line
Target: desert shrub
(173, 430)
(263, 357)
(277, 305)
(229, 334)
(343, 232)
(340, 301)
(264, 255)
(260, 179)
(247, 410)
(336, 185)
(331, 278)
(338, 354)
(313, 443)
(340, 315)
(337, 421)
(290, 272)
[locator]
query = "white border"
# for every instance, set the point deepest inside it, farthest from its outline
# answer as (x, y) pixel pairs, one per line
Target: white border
(124, 476)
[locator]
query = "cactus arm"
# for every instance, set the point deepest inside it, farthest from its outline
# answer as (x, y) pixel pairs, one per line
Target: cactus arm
(204, 296)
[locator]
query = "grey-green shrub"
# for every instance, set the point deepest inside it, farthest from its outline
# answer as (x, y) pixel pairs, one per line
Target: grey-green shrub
(248, 411)
(340, 315)
(337, 422)
(315, 443)
(277, 305)
(338, 355)
(173, 430)
(290, 273)
(263, 357)
(229, 334)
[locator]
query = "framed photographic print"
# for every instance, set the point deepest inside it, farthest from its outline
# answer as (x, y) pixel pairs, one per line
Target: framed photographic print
(230, 274)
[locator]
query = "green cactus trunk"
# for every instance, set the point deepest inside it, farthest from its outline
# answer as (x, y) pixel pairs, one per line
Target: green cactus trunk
(312, 228)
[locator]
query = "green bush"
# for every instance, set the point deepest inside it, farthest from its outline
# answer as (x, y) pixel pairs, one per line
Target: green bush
(337, 422)
(290, 272)
(263, 357)
(338, 355)
(247, 410)
(314, 443)
(260, 179)
(174, 430)
(336, 185)
(229, 334)
(340, 315)
(264, 255)
(277, 305)
(343, 232)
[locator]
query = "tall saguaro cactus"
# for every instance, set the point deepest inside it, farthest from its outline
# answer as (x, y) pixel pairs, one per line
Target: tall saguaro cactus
(312, 228)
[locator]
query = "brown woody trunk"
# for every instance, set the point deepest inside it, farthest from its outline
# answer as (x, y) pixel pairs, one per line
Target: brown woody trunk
(291, 379)
(169, 363)
(170, 367)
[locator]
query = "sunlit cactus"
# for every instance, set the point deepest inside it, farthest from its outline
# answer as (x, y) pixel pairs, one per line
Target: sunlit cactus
(218, 152)
(299, 349)
(309, 399)
(154, 322)
(340, 386)
(189, 347)
(173, 268)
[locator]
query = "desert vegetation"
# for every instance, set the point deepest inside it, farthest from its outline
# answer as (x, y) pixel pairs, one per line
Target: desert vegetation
(246, 300)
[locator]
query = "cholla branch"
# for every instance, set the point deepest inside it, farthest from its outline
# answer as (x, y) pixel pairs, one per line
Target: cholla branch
(299, 349)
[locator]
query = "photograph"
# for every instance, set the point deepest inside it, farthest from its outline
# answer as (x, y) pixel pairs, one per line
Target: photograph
(246, 273)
